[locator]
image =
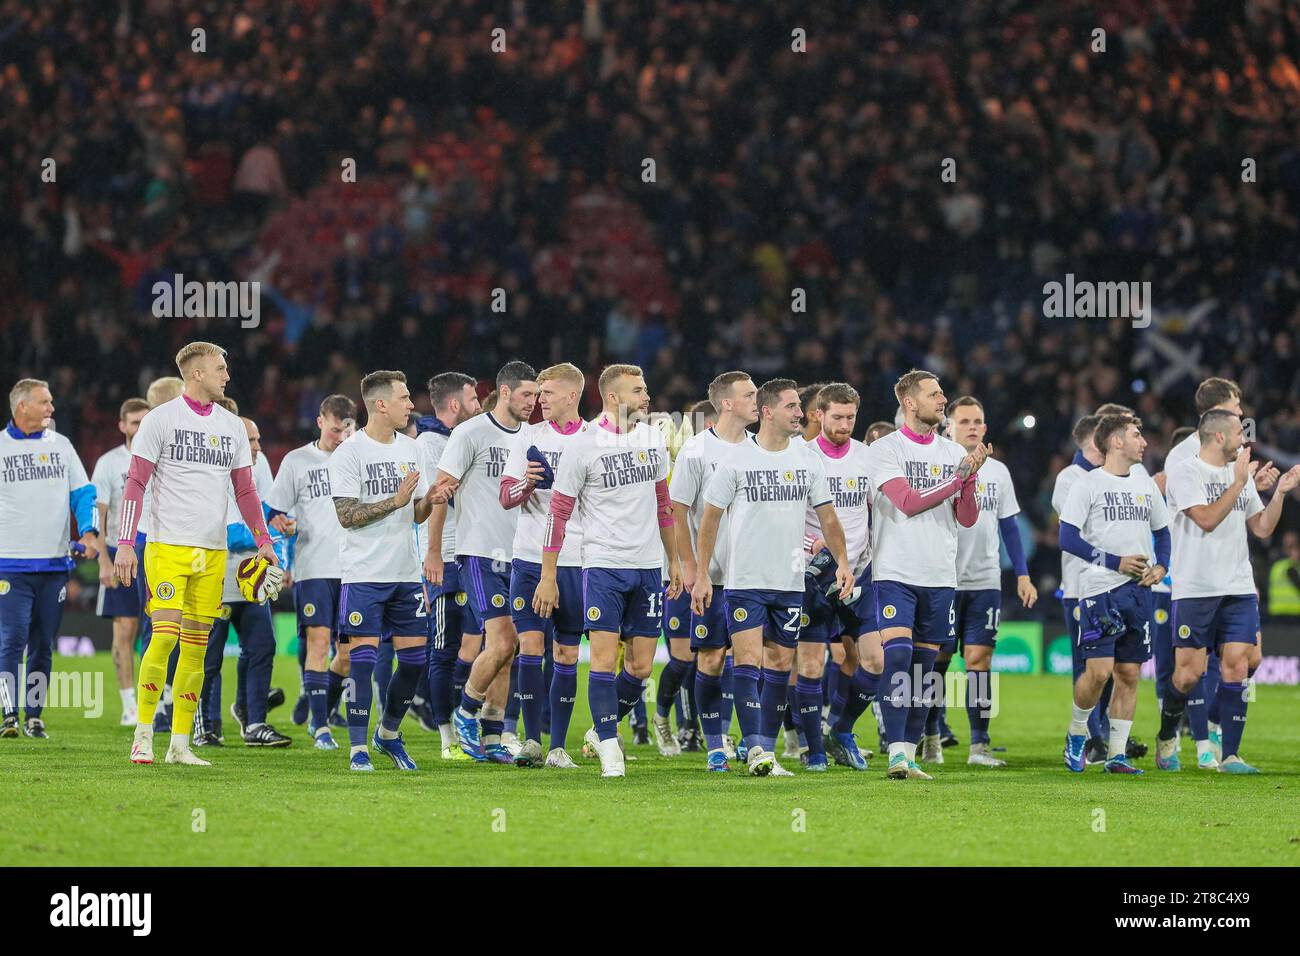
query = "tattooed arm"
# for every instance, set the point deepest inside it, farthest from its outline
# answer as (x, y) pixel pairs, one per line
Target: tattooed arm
(353, 514)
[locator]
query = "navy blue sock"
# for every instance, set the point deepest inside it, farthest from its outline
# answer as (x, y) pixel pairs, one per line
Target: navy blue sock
(530, 694)
(922, 667)
(830, 683)
(1198, 711)
(688, 707)
(1232, 707)
(1103, 708)
(316, 684)
(469, 704)
(979, 704)
(638, 711)
(934, 713)
(788, 716)
(459, 678)
(1213, 678)
(728, 693)
(629, 690)
(362, 674)
(841, 684)
(513, 700)
(491, 728)
(441, 664)
(896, 689)
(862, 691)
(602, 697)
(333, 690)
(563, 694)
(808, 695)
(708, 693)
(548, 676)
(748, 708)
(670, 682)
(410, 665)
(774, 702)
(384, 667)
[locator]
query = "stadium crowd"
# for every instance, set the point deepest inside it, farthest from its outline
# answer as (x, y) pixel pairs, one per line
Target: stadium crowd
(522, 170)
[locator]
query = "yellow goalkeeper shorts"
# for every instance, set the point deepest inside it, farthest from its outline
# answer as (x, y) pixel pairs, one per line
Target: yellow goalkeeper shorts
(184, 579)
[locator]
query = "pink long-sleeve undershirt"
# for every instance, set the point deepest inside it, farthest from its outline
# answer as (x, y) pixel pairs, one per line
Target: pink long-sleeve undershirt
(912, 502)
(513, 492)
(138, 475)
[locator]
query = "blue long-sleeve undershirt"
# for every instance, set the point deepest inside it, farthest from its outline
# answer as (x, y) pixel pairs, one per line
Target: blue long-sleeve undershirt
(1072, 542)
(1015, 547)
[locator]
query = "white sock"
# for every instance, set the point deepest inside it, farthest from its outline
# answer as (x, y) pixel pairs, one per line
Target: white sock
(166, 696)
(251, 727)
(359, 750)
(128, 698)
(180, 741)
(910, 750)
(447, 734)
(1204, 747)
(1215, 728)
(1079, 720)
(490, 740)
(417, 701)
(1119, 737)
(386, 734)
(898, 747)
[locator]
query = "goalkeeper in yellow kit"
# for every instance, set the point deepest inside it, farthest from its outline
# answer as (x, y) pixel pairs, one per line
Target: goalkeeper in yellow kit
(189, 448)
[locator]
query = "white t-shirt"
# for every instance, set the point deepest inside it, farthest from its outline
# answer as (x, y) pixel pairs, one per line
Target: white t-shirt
(302, 491)
(1189, 447)
(382, 552)
(1115, 514)
(1071, 565)
(193, 456)
(433, 444)
(36, 477)
(476, 455)
(849, 485)
(696, 462)
(109, 479)
(765, 494)
(921, 550)
(1214, 563)
(613, 478)
(530, 533)
(978, 567)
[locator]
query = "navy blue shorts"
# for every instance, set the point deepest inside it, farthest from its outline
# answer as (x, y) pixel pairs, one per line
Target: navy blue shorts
(382, 610)
(1130, 606)
(467, 619)
(121, 600)
(626, 601)
(677, 616)
(824, 622)
(317, 602)
(778, 613)
(978, 615)
(929, 613)
(1209, 622)
(487, 582)
(567, 616)
(709, 630)
(1162, 640)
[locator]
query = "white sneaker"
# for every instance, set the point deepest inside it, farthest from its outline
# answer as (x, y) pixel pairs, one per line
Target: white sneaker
(560, 759)
(511, 743)
(980, 757)
(129, 718)
(611, 758)
(181, 753)
(778, 770)
(590, 744)
(1205, 757)
(142, 745)
(760, 762)
(664, 739)
(728, 747)
(914, 772)
(931, 749)
(792, 748)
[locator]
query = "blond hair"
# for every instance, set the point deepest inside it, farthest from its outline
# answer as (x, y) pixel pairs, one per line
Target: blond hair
(186, 356)
(613, 373)
(564, 372)
(908, 384)
(162, 390)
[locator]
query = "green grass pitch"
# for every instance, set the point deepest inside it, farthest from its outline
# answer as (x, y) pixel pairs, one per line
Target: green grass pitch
(76, 800)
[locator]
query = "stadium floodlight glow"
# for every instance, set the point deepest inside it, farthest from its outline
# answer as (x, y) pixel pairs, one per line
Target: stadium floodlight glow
(1029, 421)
